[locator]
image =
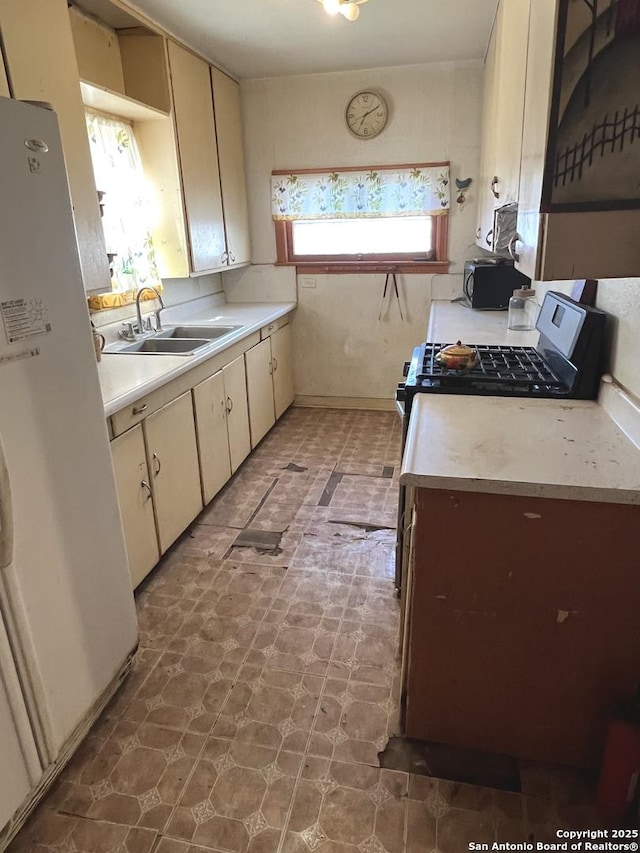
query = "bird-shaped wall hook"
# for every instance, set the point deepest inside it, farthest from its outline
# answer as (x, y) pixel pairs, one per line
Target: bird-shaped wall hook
(463, 185)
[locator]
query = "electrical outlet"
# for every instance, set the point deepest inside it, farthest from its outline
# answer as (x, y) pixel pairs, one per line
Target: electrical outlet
(307, 282)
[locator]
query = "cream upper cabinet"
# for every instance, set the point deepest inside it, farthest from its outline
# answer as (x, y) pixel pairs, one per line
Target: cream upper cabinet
(210, 404)
(260, 390)
(235, 387)
(282, 360)
(226, 99)
(502, 114)
(41, 64)
(136, 502)
(513, 33)
(172, 455)
(196, 134)
(537, 102)
(488, 146)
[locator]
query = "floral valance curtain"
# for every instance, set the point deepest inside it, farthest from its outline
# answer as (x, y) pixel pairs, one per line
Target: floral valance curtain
(347, 194)
(125, 200)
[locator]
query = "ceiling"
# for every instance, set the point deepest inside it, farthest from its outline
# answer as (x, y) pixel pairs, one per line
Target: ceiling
(269, 38)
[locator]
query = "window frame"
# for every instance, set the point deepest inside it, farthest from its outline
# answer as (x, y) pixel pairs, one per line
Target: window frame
(396, 262)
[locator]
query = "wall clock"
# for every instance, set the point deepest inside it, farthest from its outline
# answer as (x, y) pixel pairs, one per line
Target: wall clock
(366, 114)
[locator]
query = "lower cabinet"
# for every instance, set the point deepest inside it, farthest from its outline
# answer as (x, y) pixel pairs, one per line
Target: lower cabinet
(269, 382)
(235, 386)
(136, 502)
(177, 458)
(282, 370)
(222, 423)
(260, 390)
(172, 456)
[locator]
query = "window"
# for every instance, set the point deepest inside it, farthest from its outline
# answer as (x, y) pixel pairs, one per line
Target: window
(127, 216)
(355, 220)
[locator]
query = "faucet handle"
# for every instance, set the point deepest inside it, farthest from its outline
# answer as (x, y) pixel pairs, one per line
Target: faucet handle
(128, 331)
(158, 320)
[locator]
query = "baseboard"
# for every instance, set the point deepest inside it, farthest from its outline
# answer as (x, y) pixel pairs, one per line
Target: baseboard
(377, 404)
(17, 821)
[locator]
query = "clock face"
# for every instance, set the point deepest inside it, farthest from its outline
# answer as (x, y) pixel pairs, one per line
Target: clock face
(366, 114)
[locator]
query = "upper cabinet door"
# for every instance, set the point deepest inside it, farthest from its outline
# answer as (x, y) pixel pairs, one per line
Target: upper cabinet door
(41, 64)
(226, 99)
(196, 132)
(513, 34)
(542, 30)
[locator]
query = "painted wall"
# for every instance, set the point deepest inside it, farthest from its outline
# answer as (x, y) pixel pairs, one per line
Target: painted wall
(619, 297)
(176, 291)
(341, 347)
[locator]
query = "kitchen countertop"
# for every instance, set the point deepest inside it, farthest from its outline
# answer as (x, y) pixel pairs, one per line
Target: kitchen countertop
(568, 449)
(126, 378)
(454, 321)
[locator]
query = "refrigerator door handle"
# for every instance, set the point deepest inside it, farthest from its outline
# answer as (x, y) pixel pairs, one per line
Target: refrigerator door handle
(6, 513)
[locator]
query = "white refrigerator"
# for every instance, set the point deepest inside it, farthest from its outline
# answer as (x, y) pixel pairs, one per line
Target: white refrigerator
(68, 627)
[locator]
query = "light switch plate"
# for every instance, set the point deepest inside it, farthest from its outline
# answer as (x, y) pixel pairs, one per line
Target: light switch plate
(307, 282)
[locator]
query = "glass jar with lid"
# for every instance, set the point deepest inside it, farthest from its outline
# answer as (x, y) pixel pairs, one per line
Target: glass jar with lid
(523, 310)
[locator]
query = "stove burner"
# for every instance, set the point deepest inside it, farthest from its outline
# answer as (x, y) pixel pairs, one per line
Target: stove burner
(517, 370)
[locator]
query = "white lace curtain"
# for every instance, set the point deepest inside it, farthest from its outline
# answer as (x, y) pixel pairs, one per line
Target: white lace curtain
(126, 203)
(415, 191)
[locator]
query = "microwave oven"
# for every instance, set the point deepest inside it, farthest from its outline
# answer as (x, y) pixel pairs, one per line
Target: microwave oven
(488, 286)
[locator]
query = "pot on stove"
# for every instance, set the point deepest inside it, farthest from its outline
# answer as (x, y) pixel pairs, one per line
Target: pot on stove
(458, 357)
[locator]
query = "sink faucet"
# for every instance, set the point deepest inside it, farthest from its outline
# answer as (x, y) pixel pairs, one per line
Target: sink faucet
(157, 313)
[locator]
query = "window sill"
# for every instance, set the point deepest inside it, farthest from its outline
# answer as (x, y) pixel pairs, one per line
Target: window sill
(345, 267)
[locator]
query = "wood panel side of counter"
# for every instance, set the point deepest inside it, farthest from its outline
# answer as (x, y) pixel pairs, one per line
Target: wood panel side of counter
(524, 623)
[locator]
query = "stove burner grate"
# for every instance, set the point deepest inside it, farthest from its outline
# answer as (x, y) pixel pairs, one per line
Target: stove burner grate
(521, 369)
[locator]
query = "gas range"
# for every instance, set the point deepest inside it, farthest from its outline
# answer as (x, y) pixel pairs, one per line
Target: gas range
(566, 363)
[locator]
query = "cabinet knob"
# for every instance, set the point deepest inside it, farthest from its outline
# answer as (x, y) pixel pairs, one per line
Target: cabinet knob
(138, 410)
(146, 486)
(494, 184)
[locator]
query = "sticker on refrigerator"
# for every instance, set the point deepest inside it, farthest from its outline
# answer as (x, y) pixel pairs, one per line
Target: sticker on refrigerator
(18, 356)
(24, 318)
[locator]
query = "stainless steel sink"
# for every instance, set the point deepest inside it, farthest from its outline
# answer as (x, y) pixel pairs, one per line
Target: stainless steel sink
(210, 333)
(162, 346)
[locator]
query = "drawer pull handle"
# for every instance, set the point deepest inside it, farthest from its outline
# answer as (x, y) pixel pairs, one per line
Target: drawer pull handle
(138, 410)
(158, 465)
(478, 232)
(229, 405)
(488, 239)
(494, 184)
(275, 364)
(233, 257)
(270, 368)
(146, 486)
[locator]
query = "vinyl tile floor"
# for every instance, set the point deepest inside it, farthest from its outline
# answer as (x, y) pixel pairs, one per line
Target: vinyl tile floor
(267, 680)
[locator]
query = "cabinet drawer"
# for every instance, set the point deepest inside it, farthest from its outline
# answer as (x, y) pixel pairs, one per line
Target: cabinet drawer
(266, 331)
(135, 412)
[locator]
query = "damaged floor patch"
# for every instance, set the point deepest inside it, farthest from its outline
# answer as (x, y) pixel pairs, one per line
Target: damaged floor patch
(449, 762)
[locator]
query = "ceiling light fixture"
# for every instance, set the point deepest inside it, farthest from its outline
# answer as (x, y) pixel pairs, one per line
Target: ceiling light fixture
(347, 8)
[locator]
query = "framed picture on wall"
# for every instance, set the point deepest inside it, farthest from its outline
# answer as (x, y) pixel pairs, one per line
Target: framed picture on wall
(593, 156)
